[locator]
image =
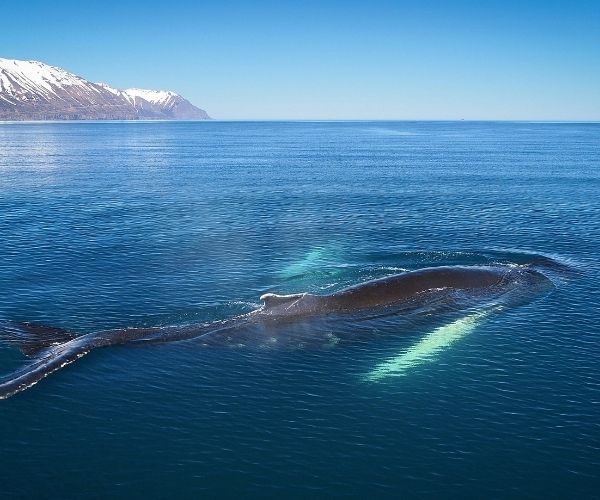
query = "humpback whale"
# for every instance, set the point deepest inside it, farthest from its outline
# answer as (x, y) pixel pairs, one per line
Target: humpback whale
(50, 349)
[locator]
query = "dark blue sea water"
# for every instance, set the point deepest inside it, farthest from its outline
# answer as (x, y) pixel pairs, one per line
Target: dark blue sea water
(108, 225)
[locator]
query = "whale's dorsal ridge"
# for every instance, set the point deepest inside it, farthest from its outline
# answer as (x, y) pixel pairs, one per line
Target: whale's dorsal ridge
(272, 299)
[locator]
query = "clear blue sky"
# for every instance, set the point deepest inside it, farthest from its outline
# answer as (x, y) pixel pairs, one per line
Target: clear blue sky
(415, 59)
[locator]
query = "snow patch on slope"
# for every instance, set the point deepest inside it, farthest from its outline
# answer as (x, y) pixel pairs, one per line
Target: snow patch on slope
(34, 76)
(158, 97)
(112, 90)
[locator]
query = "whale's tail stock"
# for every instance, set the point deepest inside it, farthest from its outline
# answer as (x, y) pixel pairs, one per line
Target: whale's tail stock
(48, 348)
(32, 338)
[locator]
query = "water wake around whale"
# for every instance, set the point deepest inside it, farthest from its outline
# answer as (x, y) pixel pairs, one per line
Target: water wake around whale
(304, 320)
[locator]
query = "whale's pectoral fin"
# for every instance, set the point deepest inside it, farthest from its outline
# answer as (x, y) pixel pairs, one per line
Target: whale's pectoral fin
(32, 338)
(272, 299)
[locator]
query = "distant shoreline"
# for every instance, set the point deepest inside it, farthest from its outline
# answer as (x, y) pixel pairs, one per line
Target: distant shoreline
(296, 120)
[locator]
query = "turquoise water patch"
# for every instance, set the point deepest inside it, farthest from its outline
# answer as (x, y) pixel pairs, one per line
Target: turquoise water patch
(317, 260)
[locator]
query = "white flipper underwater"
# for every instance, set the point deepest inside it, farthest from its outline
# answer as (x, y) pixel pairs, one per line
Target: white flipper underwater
(428, 348)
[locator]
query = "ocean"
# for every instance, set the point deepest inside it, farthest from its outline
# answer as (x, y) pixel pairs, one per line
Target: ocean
(134, 224)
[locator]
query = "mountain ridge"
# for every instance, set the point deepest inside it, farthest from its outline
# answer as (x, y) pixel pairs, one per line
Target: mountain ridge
(32, 90)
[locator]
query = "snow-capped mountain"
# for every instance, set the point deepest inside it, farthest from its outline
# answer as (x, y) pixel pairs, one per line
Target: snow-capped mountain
(31, 90)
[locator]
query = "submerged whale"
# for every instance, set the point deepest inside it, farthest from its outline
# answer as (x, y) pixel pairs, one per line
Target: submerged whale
(51, 348)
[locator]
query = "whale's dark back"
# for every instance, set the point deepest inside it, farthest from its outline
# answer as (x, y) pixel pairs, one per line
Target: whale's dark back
(407, 285)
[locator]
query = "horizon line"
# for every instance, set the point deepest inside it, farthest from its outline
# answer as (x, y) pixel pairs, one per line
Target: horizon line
(314, 120)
